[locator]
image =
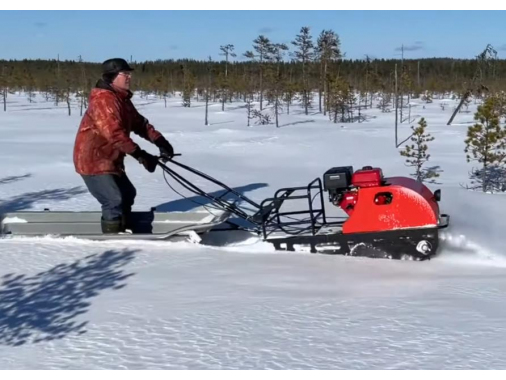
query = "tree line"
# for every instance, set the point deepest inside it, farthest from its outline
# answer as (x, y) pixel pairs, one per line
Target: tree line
(311, 71)
(310, 66)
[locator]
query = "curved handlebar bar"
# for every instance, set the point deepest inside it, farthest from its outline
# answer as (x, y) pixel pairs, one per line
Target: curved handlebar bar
(165, 159)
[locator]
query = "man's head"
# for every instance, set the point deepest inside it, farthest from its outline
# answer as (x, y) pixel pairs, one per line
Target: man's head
(117, 72)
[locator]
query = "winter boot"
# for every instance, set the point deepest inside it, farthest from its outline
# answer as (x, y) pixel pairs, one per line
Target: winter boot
(126, 223)
(111, 226)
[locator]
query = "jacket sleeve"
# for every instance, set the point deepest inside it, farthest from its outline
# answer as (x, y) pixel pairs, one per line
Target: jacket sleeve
(108, 121)
(144, 129)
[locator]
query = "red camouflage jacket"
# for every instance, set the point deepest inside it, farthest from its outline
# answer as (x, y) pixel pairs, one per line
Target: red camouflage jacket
(103, 138)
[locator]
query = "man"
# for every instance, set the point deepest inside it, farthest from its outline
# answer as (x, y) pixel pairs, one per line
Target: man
(103, 140)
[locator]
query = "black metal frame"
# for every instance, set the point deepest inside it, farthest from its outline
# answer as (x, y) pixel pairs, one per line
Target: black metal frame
(267, 216)
(275, 220)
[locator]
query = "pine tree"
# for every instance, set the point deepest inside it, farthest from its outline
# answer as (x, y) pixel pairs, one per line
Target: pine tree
(188, 86)
(208, 88)
(305, 55)
(341, 98)
(328, 49)
(82, 92)
(486, 63)
(228, 50)
(237, 87)
(30, 86)
(407, 88)
(290, 93)
(67, 92)
(249, 108)
(262, 46)
(57, 91)
(164, 87)
(486, 144)
(499, 104)
(276, 93)
(367, 74)
(223, 87)
(385, 99)
(416, 153)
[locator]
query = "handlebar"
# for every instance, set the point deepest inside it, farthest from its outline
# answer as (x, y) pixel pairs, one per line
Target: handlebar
(165, 159)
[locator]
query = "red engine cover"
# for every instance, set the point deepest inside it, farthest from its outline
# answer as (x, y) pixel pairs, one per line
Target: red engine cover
(367, 177)
(402, 203)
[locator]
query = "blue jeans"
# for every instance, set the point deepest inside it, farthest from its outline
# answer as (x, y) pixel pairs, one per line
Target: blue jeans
(115, 193)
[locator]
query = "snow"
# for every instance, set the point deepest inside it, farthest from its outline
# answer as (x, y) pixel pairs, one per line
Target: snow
(13, 220)
(76, 304)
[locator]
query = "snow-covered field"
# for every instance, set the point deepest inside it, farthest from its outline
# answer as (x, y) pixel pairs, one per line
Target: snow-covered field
(75, 304)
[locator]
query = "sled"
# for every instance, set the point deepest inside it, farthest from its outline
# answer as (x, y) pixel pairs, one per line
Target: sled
(379, 217)
(144, 225)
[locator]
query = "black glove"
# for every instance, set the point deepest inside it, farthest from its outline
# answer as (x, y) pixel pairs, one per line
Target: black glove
(147, 160)
(166, 150)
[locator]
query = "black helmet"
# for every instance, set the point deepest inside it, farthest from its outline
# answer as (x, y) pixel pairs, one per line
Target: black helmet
(115, 65)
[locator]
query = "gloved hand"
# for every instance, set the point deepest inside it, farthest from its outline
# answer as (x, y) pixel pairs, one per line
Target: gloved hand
(147, 160)
(166, 150)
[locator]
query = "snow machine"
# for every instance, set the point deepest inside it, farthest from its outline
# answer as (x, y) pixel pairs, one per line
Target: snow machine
(382, 217)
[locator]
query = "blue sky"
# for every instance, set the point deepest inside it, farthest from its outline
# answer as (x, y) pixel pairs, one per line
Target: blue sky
(147, 35)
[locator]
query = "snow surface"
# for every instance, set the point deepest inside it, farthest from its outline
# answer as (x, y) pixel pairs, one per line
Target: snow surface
(13, 220)
(74, 304)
